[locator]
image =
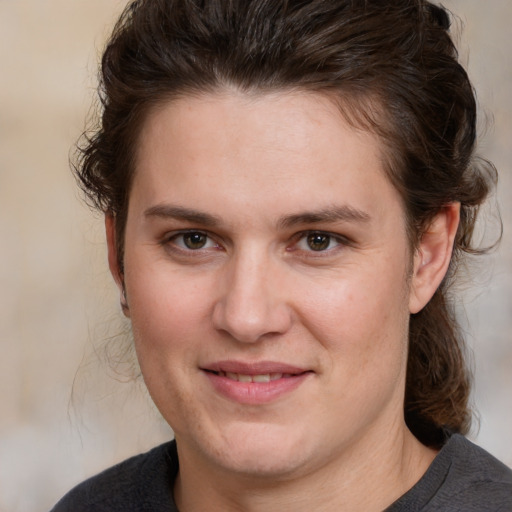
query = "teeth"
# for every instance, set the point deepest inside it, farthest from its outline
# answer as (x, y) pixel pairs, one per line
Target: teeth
(261, 378)
(240, 377)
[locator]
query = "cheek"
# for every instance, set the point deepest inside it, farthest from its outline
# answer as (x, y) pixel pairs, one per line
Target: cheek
(167, 324)
(362, 319)
(365, 333)
(168, 321)
(164, 301)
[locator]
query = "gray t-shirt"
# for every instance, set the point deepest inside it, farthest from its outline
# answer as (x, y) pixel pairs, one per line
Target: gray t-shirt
(462, 478)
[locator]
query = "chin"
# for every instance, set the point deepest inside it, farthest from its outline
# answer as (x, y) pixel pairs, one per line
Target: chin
(264, 465)
(262, 451)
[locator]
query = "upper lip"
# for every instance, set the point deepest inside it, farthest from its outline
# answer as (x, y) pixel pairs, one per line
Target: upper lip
(253, 368)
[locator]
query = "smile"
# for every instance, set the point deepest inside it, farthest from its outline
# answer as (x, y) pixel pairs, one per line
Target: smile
(254, 383)
(263, 377)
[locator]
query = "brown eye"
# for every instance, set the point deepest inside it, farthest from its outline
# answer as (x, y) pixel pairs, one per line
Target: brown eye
(318, 241)
(195, 240)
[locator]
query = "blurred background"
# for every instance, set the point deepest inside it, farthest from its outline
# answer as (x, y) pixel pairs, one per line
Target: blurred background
(65, 412)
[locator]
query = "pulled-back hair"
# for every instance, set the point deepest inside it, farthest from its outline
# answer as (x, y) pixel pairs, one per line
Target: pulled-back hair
(392, 68)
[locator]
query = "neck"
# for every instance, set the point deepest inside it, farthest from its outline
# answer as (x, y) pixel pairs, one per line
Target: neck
(369, 476)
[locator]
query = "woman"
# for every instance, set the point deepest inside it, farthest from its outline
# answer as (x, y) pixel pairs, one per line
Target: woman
(288, 189)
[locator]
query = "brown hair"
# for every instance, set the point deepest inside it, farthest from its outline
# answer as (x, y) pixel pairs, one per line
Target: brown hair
(392, 67)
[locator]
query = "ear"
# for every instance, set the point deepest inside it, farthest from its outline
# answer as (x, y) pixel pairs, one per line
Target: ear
(113, 262)
(433, 256)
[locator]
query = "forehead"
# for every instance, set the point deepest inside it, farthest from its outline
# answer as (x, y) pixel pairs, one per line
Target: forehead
(284, 147)
(286, 117)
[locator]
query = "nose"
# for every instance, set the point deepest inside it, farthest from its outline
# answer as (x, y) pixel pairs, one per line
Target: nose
(252, 304)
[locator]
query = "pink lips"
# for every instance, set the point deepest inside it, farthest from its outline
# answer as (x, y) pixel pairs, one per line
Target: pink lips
(254, 383)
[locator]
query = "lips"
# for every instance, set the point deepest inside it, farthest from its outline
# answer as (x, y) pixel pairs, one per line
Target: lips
(256, 368)
(254, 383)
(262, 377)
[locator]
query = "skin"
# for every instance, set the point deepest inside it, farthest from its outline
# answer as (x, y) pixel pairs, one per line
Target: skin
(244, 175)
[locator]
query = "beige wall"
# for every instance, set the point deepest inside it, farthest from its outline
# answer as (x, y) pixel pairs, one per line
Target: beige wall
(57, 302)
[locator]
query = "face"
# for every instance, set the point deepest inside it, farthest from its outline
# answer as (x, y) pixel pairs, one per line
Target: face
(266, 272)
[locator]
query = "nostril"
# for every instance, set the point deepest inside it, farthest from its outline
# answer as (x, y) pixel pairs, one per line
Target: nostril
(250, 322)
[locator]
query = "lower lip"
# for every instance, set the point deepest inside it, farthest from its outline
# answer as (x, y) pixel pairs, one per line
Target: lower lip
(254, 393)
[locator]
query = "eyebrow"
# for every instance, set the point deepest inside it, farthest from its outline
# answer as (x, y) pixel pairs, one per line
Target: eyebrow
(343, 213)
(167, 211)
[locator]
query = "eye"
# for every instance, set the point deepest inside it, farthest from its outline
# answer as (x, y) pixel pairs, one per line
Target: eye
(318, 241)
(192, 240)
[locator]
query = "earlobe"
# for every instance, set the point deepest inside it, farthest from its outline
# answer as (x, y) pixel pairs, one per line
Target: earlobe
(113, 261)
(433, 256)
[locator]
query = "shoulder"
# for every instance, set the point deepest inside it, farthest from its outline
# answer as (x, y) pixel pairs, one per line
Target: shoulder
(468, 457)
(475, 480)
(462, 478)
(143, 482)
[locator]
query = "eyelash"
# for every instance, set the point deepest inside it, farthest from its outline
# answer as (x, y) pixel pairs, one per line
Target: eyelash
(329, 238)
(172, 240)
(339, 240)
